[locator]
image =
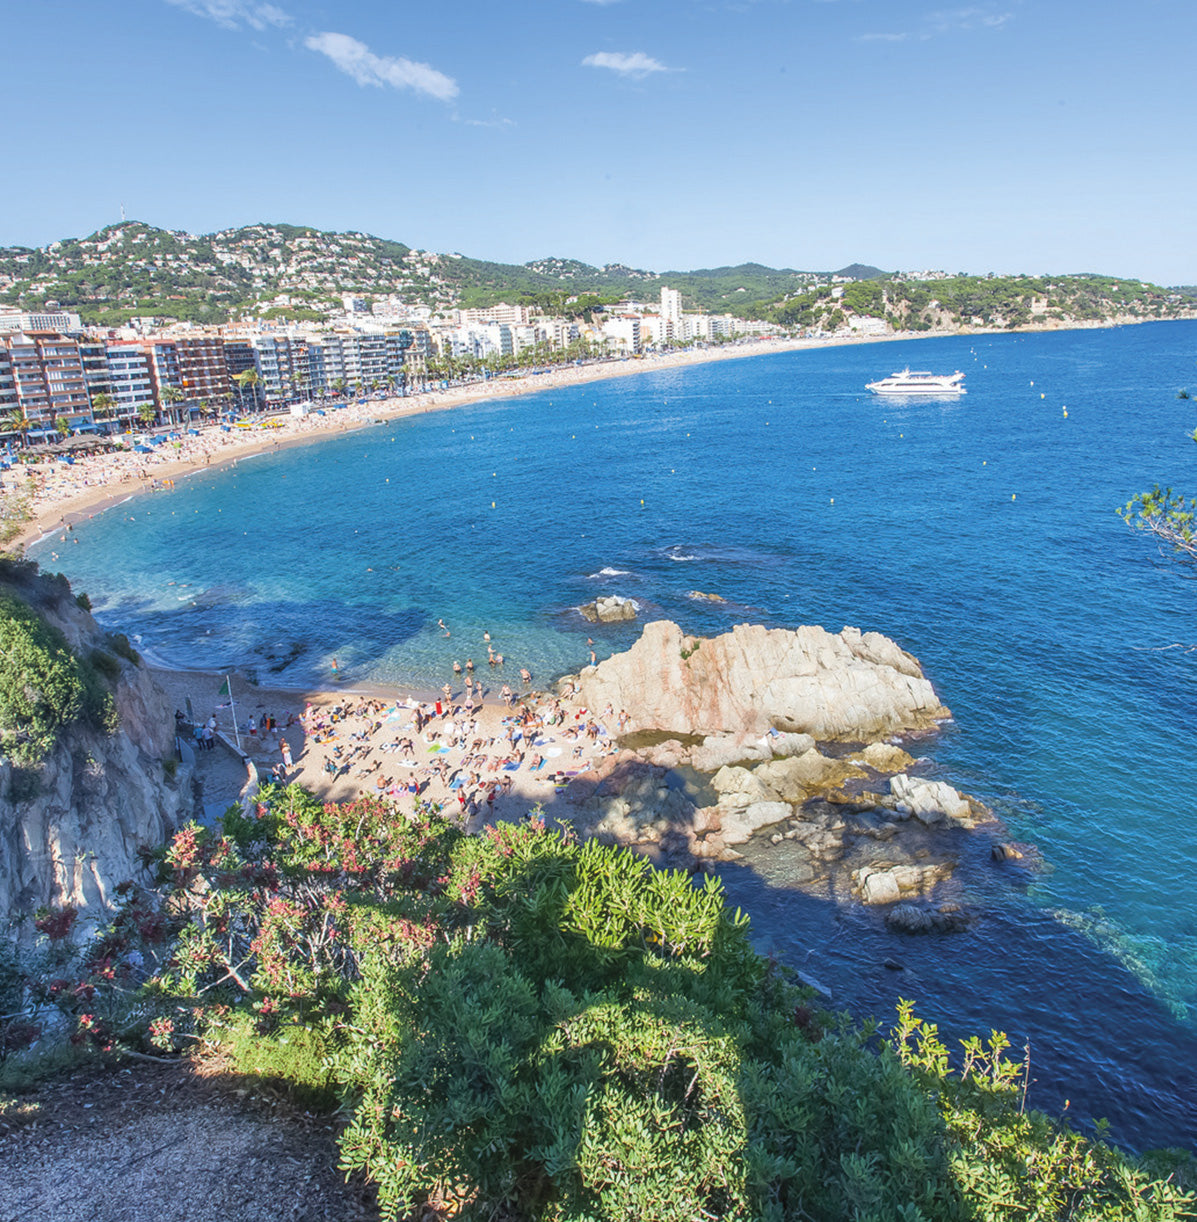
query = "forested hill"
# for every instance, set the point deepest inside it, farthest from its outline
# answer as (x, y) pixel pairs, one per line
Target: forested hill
(977, 301)
(297, 272)
(136, 269)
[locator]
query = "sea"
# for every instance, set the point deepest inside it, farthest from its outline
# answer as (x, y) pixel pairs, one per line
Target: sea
(982, 533)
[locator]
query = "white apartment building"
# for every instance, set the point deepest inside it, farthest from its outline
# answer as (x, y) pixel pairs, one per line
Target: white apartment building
(129, 379)
(365, 357)
(21, 321)
(671, 305)
(624, 330)
(511, 316)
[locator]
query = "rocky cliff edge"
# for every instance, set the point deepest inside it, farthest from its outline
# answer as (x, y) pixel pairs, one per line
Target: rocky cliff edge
(71, 827)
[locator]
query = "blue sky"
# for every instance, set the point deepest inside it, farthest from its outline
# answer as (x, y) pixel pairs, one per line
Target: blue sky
(1012, 136)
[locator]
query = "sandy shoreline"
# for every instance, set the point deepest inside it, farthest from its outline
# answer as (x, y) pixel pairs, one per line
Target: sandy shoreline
(66, 494)
(477, 761)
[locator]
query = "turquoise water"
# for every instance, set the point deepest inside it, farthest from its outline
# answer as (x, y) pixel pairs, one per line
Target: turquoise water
(979, 533)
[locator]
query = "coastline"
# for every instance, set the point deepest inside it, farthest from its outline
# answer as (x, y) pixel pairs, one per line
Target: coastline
(65, 502)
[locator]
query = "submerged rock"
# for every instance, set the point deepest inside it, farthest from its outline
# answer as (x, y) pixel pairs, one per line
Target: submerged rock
(926, 918)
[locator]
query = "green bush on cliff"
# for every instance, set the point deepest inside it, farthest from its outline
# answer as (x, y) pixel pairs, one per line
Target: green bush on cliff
(43, 686)
(527, 1028)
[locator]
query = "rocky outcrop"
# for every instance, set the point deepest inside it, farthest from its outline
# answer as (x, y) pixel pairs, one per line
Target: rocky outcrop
(611, 610)
(933, 802)
(71, 827)
(753, 679)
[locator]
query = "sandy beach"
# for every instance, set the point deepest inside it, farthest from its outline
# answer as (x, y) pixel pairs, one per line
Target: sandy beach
(476, 755)
(61, 493)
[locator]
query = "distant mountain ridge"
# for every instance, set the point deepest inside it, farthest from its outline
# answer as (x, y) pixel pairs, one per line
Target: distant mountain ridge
(276, 270)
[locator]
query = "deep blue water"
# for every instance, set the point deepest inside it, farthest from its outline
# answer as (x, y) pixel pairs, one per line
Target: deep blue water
(981, 534)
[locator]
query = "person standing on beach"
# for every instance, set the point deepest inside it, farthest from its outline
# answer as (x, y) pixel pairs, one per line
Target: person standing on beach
(285, 750)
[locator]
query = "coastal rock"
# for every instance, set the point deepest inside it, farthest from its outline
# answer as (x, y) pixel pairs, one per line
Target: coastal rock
(740, 787)
(925, 919)
(609, 610)
(747, 681)
(740, 823)
(783, 745)
(1003, 850)
(883, 757)
(880, 887)
(71, 828)
(798, 778)
(934, 802)
(699, 596)
(719, 750)
(633, 804)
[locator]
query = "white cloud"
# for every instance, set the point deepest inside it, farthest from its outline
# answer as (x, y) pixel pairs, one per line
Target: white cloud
(356, 59)
(626, 63)
(233, 14)
(966, 19)
(945, 21)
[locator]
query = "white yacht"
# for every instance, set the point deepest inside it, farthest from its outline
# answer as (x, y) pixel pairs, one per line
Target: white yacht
(919, 382)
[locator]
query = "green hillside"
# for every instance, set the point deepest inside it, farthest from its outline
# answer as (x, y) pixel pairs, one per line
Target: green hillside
(294, 271)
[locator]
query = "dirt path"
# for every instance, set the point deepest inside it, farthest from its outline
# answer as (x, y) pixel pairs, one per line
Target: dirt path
(183, 1141)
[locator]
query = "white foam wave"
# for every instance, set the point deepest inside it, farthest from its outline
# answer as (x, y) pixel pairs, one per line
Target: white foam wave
(607, 572)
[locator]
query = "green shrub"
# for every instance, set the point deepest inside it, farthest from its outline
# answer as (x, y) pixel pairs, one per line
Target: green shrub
(106, 664)
(41, 687)
(119, 644)
(527, 1028)
(83, 602)
(295, 1055)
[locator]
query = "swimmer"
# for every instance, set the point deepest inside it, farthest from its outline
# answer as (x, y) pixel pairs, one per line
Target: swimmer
(441, 625)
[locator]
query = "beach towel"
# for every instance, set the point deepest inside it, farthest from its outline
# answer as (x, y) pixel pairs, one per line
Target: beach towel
(511, 767)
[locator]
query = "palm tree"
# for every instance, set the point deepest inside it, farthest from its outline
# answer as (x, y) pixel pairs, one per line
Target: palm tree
(146, 413)
(247, 379)
(18, 422)
(171, 396)
(102, 404)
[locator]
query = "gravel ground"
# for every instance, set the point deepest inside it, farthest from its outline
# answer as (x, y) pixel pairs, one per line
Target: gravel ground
(179, 1142)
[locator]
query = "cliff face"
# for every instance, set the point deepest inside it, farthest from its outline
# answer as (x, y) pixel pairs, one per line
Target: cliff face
(752, 679)
(71, 827)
